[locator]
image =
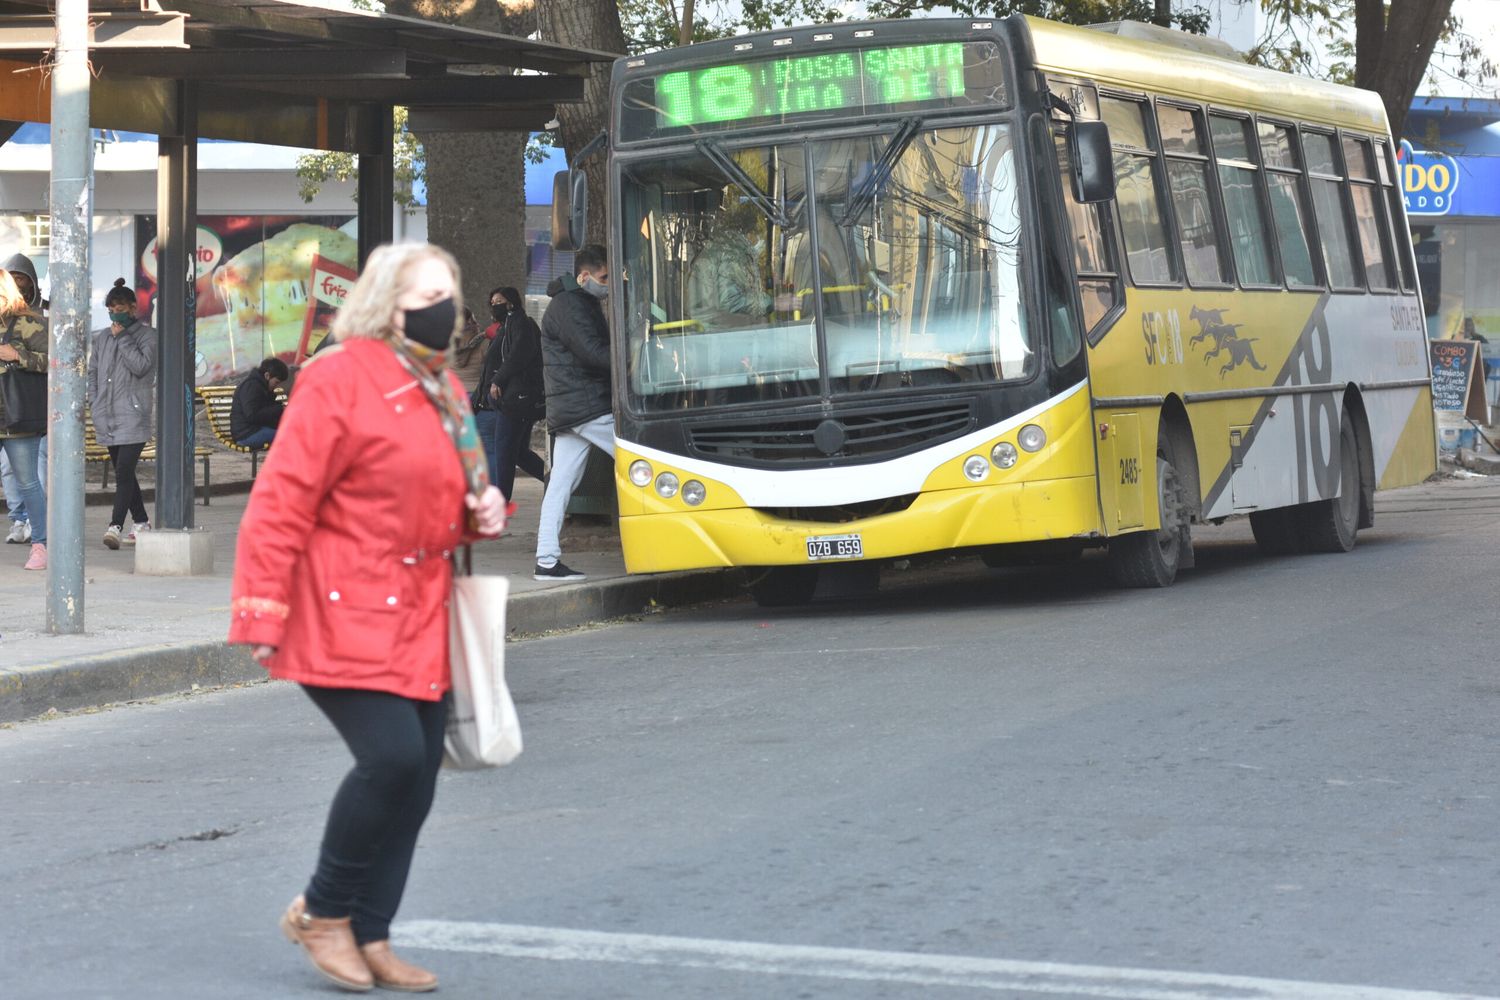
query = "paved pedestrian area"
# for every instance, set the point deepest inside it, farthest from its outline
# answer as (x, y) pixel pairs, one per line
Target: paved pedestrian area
(123, 611)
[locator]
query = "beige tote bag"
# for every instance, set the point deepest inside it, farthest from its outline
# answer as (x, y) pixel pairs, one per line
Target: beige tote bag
(483, 729)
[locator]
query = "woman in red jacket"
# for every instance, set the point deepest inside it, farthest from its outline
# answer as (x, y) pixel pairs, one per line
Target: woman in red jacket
(338, 587)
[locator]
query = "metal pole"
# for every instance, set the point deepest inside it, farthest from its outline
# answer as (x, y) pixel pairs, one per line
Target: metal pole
(377, 181)
(176, 263)
(68, 275)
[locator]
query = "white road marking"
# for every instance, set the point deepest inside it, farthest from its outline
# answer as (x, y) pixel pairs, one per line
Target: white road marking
(1002, 975)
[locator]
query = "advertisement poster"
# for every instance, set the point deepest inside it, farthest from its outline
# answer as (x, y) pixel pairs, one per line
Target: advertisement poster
(256, 295)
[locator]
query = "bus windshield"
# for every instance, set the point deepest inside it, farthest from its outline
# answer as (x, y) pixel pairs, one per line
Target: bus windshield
(883, 262)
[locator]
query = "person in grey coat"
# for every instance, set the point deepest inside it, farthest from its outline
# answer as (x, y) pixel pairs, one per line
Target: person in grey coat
(122, 394)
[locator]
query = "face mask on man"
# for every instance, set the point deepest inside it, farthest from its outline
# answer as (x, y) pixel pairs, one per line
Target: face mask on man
(594, 287)
(121, 318)
(432, 326)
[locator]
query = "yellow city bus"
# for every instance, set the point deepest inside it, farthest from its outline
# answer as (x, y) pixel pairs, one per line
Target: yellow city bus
(1005, 286)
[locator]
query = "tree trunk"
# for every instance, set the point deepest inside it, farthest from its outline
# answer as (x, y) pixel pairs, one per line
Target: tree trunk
(476, 181)
(588, 24)
(1163, 14)
(1392, 52)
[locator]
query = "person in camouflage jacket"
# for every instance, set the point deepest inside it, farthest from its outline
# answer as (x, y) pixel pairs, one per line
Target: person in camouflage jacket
(23, 346)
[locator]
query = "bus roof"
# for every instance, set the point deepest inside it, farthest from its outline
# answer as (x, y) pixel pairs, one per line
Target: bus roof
(1138, 65)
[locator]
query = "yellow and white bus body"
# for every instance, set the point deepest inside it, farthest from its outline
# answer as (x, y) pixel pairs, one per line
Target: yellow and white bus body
(754, 405)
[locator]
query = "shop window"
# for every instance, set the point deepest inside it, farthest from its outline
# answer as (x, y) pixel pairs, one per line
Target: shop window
(1137, 193)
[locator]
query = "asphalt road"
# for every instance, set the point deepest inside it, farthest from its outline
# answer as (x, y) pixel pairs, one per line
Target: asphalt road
(1276, 779)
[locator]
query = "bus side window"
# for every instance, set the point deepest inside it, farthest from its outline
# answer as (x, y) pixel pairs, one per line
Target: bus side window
(1289, 211)
(1328, 204)
(1403, 243)
(1248, 230)
(1187, 176)
(1369, 216)
(1093, 260)
(1137, 192)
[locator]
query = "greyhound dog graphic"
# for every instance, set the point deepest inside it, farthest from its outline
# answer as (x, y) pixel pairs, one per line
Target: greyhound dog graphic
(1226, 338)
(1241, 350)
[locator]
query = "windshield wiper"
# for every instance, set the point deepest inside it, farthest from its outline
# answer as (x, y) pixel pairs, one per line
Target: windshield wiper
(773, 211)
(861, 196)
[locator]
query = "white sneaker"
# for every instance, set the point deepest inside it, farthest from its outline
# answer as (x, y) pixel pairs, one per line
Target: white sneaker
(136, 529)
(112, 536)
(20, 533)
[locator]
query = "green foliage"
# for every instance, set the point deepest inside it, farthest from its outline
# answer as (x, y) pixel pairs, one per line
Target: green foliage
(650, 25)
(1195, 19)
(316, 169)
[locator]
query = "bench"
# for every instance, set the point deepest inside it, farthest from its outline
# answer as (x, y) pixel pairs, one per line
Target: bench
(93, 451)
(218, 400)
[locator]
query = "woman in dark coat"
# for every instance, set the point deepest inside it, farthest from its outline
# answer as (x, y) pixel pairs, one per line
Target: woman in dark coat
(516, 389)
(342, 577)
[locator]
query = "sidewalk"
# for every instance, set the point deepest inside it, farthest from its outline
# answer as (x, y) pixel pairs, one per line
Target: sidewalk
(148, 636)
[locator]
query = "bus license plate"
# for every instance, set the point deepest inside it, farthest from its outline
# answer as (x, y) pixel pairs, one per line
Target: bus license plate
(834, 547)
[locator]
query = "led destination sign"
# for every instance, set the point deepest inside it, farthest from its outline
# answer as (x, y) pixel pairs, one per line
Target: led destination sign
(938, 74)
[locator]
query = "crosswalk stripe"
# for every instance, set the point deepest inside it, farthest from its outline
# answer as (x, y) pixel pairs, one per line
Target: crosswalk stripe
(1016, 977)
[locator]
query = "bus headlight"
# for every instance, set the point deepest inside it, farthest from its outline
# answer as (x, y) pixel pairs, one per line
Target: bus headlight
(640, 472)
(666, 485)
(1004, 455)
(976, 468)
(1032, 438)
(693, 493)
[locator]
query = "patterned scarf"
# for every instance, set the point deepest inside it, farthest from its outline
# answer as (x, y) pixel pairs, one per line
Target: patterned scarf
(430, 369)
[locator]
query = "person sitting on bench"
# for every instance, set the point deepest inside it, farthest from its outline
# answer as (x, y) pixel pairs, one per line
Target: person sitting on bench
(256, 411)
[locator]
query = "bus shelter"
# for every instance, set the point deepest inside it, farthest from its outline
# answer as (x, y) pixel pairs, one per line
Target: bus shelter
(281, 72)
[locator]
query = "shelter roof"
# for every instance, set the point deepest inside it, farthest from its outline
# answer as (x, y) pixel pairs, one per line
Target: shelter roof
(292, 72)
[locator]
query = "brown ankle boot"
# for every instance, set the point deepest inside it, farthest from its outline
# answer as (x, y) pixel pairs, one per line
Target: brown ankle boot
(391, 973)
(330, 945)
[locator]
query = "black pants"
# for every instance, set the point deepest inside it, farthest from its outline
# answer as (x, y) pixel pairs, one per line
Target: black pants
(513, 434)
(127, 487)
(380, 807)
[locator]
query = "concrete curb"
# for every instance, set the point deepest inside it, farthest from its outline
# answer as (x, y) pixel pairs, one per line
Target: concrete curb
(149, 671)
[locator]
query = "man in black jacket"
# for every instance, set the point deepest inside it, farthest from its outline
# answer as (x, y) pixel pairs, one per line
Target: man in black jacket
(256, 412)
(576, 369)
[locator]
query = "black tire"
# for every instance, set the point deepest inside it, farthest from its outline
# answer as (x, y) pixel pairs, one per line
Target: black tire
(1333, 525)
(783, 586)
(1151, 558)
(1278, 532)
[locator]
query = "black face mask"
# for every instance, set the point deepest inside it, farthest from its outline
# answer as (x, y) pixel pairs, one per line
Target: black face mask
(433, 325)
(500, 310)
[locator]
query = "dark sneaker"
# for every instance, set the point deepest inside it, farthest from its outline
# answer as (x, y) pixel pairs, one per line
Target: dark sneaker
(557, 572)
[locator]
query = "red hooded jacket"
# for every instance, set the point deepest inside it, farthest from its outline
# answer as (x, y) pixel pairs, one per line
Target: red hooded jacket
(343, 558)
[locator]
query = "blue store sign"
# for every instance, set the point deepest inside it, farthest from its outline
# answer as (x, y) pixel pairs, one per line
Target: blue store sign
(1440, 184)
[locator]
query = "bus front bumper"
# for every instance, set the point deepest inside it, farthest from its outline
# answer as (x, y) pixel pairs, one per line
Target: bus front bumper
(948, 519)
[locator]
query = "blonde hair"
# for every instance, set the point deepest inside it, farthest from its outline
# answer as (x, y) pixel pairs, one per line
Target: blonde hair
(12, 302)
(371, 304)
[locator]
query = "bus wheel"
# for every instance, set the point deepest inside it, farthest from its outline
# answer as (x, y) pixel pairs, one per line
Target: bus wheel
(1331, 525)
(1278, 532)
(1151, 558)
(784, 586)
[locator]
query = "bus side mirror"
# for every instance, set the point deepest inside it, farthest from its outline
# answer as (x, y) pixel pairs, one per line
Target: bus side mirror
(570, 210)
(1093, 163)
